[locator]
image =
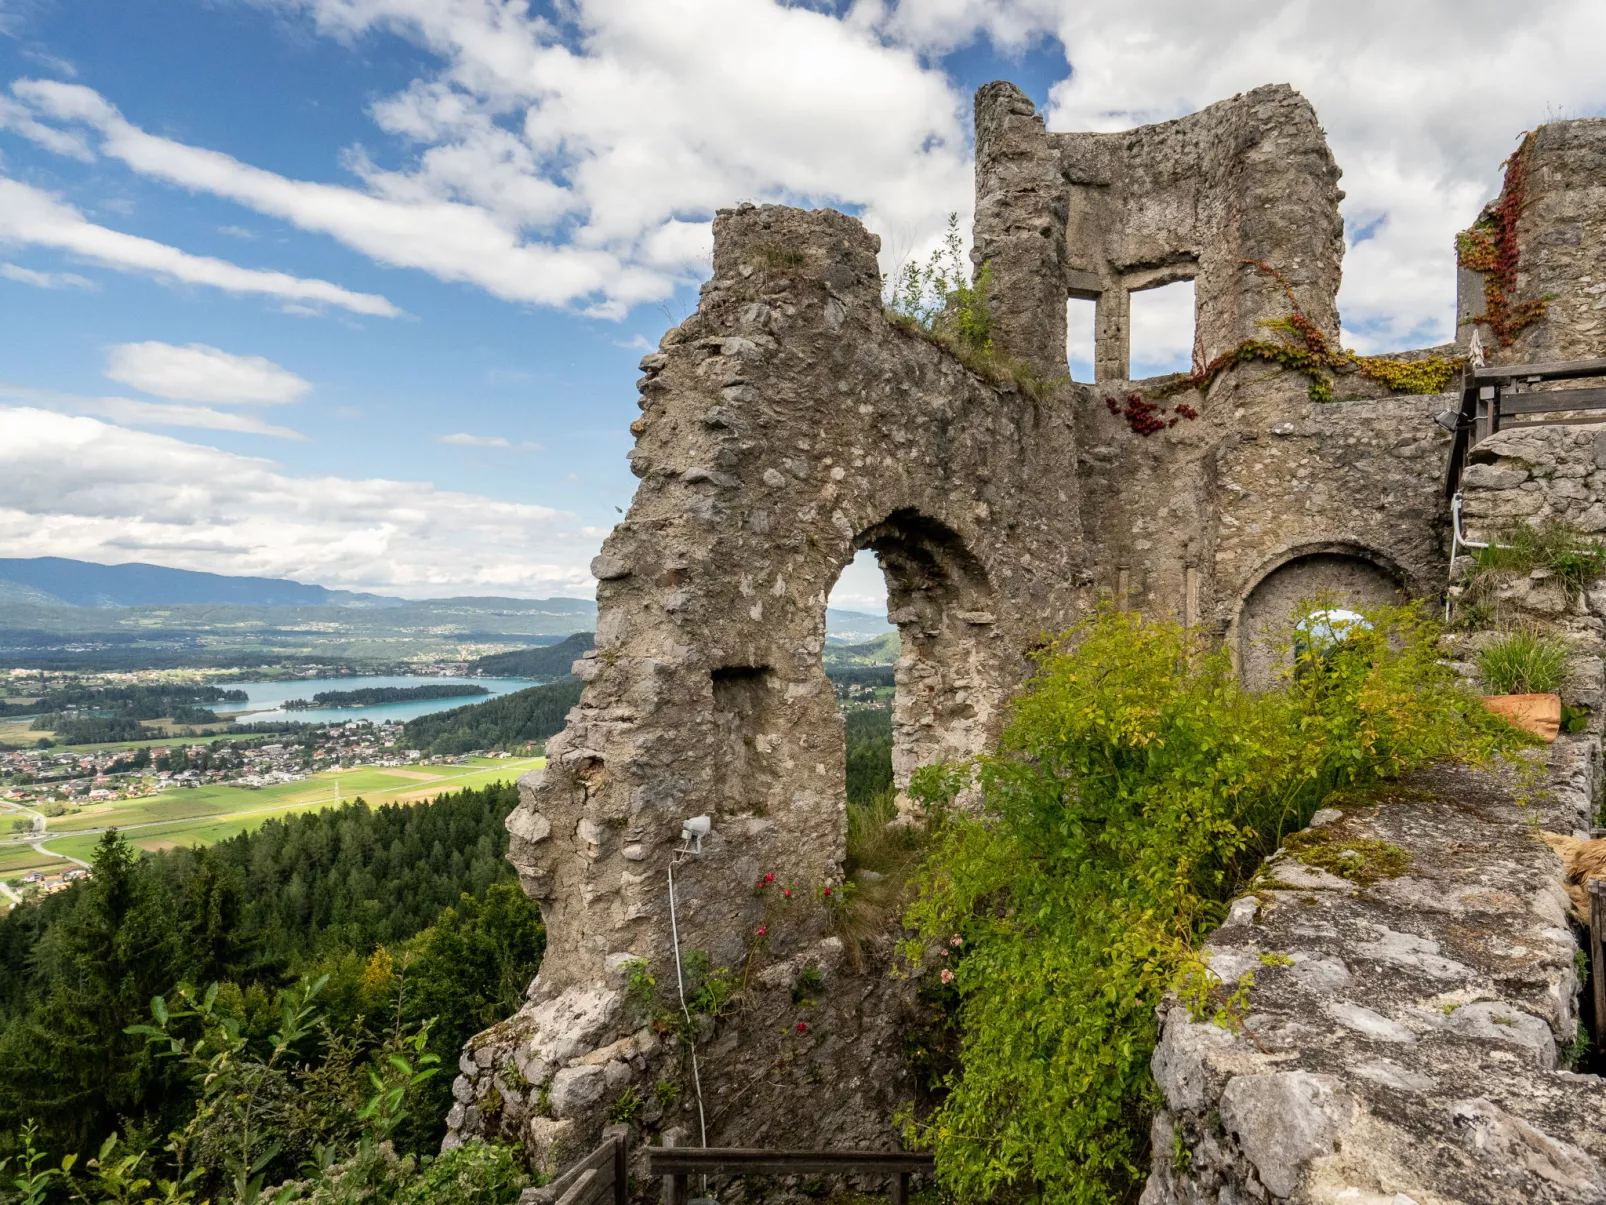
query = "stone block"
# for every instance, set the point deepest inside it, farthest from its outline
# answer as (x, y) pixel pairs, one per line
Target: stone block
(575, 1090)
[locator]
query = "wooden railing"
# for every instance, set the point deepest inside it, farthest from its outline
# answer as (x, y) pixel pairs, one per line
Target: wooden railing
(1496, 393)
(603, 1175)
(677, 1164)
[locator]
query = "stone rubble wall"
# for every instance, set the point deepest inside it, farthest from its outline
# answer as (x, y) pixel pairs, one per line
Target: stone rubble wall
(1405, 1041)
(791, 422)
(786, 424)
(1554, 473)
(1561, 238)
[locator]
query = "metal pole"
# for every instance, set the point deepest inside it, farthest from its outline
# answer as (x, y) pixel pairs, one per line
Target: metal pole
(1597, 965)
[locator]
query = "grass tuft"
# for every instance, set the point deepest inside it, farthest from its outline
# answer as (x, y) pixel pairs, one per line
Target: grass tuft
(1523, 663)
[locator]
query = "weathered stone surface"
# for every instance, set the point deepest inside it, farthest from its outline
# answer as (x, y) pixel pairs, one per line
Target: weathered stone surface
(1374, 1075)
(1283, 1120)
(575, 1089)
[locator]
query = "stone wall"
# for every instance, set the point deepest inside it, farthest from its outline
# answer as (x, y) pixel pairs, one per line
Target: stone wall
(789, 423)
(1405, 1041)
(1562, 242)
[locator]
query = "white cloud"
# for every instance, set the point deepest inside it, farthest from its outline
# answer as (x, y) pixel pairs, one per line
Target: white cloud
(628, 120)
(44, 280)
(579, 164)
(1420, 134)
(1161, 329)
(147, 414)
(78, 487)
(463, 440)
(19, 120)
(31, 217)
(199, 373)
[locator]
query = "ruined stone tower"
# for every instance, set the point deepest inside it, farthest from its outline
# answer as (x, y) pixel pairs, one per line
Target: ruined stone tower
(788, 424)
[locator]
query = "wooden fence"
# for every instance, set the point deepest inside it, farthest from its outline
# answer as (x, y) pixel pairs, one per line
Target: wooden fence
(1496, 394)
(677, 1164)
(603, 1175)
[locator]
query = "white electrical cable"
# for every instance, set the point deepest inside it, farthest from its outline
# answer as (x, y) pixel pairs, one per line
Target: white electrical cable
(680, 985)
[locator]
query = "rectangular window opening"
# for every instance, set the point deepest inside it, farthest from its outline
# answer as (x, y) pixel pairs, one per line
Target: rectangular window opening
(1079, 326)
(1161, 325)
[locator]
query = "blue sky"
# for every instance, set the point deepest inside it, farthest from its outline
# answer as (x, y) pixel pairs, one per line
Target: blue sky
(373, 225)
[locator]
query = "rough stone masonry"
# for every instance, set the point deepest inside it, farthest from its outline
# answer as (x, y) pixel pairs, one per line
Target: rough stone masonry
(790, 423)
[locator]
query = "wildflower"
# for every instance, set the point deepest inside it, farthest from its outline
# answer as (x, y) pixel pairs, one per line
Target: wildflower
(787, 892)
(828, 891)
(762, 931)
(956, 941)
(802, 1027)
(769, 878)
(947, 975)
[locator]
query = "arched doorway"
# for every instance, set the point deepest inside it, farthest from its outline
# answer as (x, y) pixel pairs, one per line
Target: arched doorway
(946, 685)
(1353, 576)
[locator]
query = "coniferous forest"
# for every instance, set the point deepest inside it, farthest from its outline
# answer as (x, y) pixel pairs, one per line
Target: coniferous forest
(301, 967)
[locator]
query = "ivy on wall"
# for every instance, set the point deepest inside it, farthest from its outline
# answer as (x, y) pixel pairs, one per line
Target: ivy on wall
(1303, 348)
(1490, 247)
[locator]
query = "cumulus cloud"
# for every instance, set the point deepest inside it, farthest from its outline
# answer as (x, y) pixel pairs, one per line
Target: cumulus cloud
(624, 122)
(79, 487)
(32, 217)
(578, 163)
(199, 373)
(1420, 135)
(44, 280)
(147, 414)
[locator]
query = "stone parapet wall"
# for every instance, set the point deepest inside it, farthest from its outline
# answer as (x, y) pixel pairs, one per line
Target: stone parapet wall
(1404, 1041)
(1556, 471)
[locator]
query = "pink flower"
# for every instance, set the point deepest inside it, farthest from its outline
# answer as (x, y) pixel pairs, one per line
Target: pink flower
(787, 892)
(802, 1027)
(827, 891)
(769, 878)
(956, 940)
(947, 975)
(762, 931)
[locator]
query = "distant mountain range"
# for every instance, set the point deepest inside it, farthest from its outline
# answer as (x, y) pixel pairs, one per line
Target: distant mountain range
(44, 580)
(53, 581)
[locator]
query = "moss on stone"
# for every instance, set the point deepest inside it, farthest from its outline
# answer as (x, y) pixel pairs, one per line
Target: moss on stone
(1363, 860)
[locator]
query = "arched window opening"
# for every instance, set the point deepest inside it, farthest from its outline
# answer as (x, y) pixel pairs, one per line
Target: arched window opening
(1265, 625)
(861, 651)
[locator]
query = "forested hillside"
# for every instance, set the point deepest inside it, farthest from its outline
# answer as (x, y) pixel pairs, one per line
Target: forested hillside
(388, 931)
(546, 662)
(508, 722)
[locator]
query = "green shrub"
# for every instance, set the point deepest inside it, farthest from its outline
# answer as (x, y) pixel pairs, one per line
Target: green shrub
(623, 1110)
(1135, 789)
(941, 300)
(1523, 663)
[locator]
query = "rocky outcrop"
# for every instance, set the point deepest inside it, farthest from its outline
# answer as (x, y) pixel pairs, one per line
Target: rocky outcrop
(1407, 1026)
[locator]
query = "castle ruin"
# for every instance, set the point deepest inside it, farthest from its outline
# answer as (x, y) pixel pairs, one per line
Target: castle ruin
(790, 423)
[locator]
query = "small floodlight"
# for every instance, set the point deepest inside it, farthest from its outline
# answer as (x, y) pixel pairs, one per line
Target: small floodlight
(693, 830)
(1450, 420)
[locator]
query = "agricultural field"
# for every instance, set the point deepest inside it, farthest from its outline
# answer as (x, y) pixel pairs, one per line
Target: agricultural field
(203, 815)
(18, 860)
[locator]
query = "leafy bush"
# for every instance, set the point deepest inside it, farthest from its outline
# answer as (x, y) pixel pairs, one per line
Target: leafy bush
(1135, 789)
(1523, 663)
